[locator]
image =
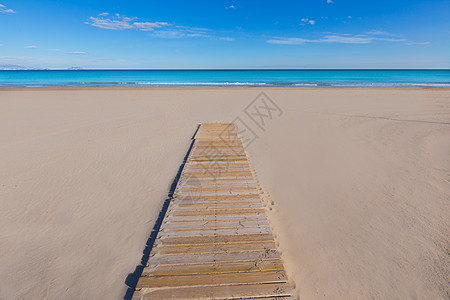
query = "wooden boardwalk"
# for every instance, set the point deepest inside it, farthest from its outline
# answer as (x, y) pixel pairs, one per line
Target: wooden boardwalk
(215, 241)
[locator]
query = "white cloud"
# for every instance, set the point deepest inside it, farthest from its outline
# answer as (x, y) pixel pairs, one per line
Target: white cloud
(391, 39)
(169, 34)
(53, 49)
(226, 39)
(178, 32)
(30, 47)
(230, 7)
(78, 52)
(158, 29)
(345, 39)
(379, 32)
(333, 38)
(330, 1)
(307, 21)
(418, 43)
(118, 22)
(349, 17)
(5, 10)
(288, 41)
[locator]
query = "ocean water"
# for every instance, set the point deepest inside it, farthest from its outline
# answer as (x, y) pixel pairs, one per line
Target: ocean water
(285, 78)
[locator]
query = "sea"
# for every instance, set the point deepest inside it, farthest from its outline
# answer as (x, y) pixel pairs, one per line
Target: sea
(418, 78)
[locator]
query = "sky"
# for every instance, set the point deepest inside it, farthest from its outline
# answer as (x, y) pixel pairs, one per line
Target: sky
(148, 34)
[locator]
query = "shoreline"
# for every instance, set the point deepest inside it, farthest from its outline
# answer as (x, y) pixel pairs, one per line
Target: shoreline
(303, 88)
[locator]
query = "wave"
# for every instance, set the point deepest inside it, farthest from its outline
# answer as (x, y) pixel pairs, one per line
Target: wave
(206, 84)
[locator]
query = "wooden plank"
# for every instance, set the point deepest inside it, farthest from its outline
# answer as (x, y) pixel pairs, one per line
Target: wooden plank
(211, 279)
(215, 268)
(212, 224)
(193, 202)
(216, 205)
(217, 197)
(214, 231)
(209, 248)
(194, 258)
(219, 292)
(206, 189)
(223, 174)
(249, 217)
(215, 239)
(217, 212)
(205, 207)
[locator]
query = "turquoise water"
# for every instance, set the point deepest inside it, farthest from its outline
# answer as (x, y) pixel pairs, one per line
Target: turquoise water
(324, 78)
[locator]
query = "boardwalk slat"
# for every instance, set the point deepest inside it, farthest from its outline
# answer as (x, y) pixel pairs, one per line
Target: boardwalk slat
(219, 292)
(226, 247)
(212, 224)
(215, 268)
(216, 239)
(251, 217)
(208, 279)
(169, 259)
(213, 231)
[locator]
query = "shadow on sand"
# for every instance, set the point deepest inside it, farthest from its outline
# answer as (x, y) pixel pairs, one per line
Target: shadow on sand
(132, 278)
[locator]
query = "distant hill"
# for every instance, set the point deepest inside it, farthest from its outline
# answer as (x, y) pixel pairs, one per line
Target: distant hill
(17, 67)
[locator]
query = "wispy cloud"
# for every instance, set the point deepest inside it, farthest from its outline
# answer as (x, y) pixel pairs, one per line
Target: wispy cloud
(380, 32)
(230, 7)
(30, 47)
(330, 1)
(178, 32)
(334, 38)
(305, 21)
(288, 41)
(391, 39)
(78, 52)
(417, 43)
(157, 29)
(119, 22)
(226, 39)
(53, 49)
(5, 10)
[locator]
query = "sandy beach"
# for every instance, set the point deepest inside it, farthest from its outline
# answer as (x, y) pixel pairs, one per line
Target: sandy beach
(356, 183)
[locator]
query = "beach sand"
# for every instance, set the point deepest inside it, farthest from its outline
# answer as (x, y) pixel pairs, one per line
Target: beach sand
(356, 182)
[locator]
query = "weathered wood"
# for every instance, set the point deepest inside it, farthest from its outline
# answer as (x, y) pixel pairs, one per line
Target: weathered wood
(215, 267)
(215, 241)
(209, 248)
(216, 212)
(171, 259)
(219, 292)
(207, 232)
(217, 197)
(211, 279)
(249, 217)
(167, 226)
(216, 205)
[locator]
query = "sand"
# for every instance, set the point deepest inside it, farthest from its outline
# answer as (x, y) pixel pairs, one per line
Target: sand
(356, 181)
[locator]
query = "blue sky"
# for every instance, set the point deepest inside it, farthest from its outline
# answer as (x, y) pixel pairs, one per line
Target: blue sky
(225, 34)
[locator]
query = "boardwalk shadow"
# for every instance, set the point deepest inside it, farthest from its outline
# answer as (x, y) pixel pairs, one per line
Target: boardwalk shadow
(132, 278)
